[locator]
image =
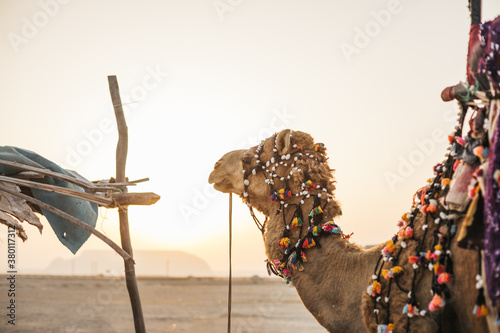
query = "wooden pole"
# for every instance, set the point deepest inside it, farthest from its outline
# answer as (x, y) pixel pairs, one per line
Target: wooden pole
(121, 160)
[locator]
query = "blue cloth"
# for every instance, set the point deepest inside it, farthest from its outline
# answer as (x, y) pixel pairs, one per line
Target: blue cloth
(71, 235)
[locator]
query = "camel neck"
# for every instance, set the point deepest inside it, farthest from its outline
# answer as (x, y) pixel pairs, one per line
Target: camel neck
(335, 265)
(297, 228)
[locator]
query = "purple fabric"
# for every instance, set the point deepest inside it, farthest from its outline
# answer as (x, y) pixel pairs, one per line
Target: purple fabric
(492, 221)
(490, 64)
(490, 35)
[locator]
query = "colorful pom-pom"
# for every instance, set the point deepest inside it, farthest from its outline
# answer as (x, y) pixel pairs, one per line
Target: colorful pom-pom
(284, 194)
(308, 185)
(279, 264)
(444, 278)
(480, 310)
(315, 230)
(404, 217)
(296, 261)
(382, 328)
(320, 148)
(296, 222)
(396, 271)
(316, 211)
(438, 268)
(411, 310)
(437, 303)
(374, 289)
(430, 208)
(414, 259)
(408, 232)
(308, 243)
(285, 242)
(388, 248)
(330, 227)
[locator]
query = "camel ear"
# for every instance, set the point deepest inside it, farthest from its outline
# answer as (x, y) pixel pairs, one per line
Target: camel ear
(283, 141)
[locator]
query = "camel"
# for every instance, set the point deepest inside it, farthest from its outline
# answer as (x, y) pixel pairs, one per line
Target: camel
(287, 179)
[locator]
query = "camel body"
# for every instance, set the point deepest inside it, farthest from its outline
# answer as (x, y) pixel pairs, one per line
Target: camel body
(334, 280)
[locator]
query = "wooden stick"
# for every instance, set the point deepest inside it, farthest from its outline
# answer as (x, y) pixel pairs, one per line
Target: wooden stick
(61, 190)
(128, 183)
(125, 199)
(121, 160)
(73, 220)
(142, 180)
(111, 186)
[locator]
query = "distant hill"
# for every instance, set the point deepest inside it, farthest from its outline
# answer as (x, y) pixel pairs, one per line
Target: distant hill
(148, 263)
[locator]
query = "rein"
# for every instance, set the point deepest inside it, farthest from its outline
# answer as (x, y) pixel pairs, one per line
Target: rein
(230, 284)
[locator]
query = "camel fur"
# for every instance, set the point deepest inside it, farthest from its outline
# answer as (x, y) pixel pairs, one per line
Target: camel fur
(334, 281)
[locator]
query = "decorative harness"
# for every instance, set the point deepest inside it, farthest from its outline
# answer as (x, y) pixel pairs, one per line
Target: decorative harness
(438, 258)
(294, 254)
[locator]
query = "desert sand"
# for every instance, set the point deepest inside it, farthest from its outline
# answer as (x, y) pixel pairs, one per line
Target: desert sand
(101, 304)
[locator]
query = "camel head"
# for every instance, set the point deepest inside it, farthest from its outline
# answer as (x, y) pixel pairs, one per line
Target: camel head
(227, 176)
(279, 171)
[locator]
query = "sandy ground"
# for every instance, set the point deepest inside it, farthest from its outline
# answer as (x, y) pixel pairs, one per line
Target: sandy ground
(99, 304)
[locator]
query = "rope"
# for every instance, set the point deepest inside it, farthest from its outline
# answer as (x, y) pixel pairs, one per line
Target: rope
(230, 291)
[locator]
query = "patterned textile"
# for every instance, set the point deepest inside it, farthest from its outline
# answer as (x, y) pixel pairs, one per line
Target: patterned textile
(489, 65)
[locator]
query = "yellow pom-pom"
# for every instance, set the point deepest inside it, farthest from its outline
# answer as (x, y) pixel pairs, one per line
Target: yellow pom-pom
(404, 217)
(377, 287)
(284, 242)
(397, 270)
(484, 310)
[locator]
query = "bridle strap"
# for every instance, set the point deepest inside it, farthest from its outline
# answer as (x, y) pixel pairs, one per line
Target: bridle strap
(260, 225)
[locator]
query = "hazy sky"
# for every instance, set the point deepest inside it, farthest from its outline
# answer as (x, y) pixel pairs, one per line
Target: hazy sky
(205, 77)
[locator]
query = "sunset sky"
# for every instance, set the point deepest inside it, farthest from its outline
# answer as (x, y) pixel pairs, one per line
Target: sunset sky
(201, 77)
